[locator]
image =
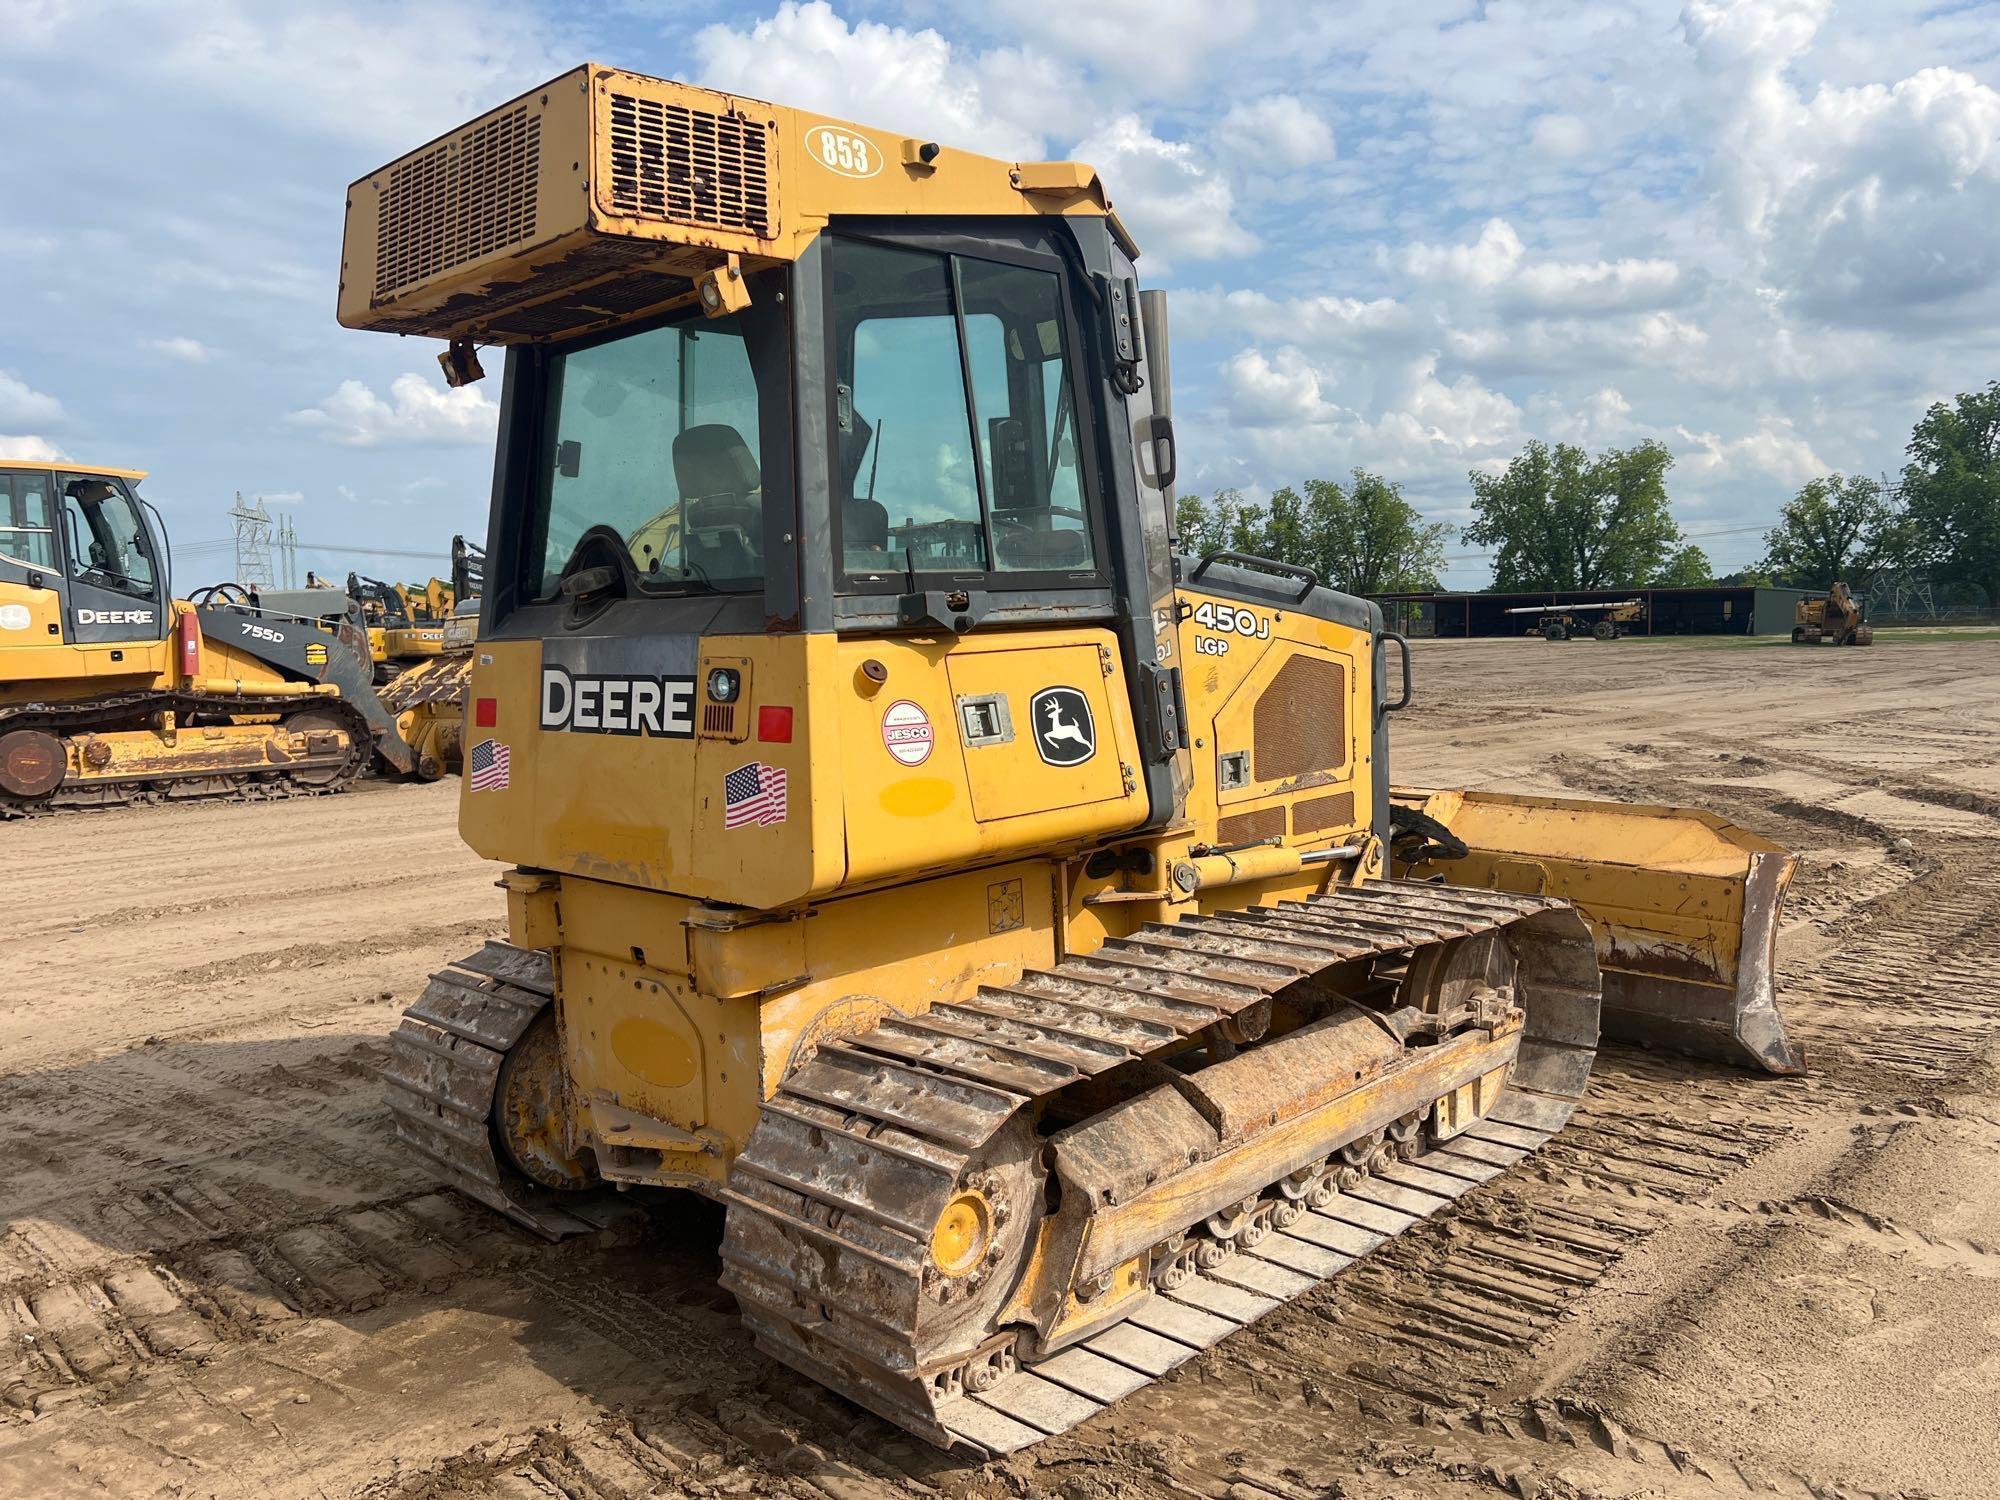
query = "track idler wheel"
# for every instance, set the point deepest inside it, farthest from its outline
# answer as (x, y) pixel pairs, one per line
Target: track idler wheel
(316, 723)
(529, 1108)
(31, 763)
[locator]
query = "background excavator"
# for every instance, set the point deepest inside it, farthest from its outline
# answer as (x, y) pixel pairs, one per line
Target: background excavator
(405, 621)
(1009, 918)
(428, 699)
(114, 691)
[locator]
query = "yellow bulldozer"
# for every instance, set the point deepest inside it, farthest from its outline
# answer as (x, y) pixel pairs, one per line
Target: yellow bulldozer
(113, 691)
(1837, 618)
(1008, 918)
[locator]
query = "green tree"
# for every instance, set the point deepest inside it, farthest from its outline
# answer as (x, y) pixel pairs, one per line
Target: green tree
(1246, 530)
(1560, 519)
(1688, 568)
(1951, 488)
(1368, 539)
(1284, 531)
(1206, 526)
(1833, 529)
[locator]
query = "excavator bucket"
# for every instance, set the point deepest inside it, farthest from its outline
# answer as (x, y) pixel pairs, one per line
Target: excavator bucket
(1683, 906)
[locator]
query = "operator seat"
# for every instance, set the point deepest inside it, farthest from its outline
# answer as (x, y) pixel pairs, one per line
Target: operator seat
(722, 530)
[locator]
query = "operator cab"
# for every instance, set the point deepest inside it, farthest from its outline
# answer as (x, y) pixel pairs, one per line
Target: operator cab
(893, 415)
(84, 535)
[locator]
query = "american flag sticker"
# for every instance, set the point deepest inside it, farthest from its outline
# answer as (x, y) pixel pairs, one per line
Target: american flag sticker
(753, 794)
(487, 767)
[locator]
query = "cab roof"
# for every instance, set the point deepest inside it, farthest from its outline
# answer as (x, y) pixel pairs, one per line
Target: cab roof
(70, 466)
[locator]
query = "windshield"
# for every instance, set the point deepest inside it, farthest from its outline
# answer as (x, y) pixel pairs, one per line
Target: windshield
(107, 538)
(955, 415)
(655, 435)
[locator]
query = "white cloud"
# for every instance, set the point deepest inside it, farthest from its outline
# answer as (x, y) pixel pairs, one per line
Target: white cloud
(1276, 131)
(21, 402)
(1158, 45)
(1561, 137)
(1275, 390)
(1317, 321)
(28, 446)
(186, 350)
(1486, 262)
(1176, 205)
(1862, 201)
(1773, 448)
(417, 411)
(365, 71)
(1423, 426)
(873, 74)
(1497, 262)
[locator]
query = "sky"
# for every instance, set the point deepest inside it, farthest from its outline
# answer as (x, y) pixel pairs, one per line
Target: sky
(1406, 235)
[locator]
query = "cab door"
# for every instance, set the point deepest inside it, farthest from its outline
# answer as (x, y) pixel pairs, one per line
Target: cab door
(114, 566)
(31, 601)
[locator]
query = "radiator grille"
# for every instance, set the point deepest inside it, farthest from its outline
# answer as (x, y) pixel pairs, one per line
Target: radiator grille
(464, 198)
(688, 166)
(1316, 814)
(1249, 827)
(1301, 721)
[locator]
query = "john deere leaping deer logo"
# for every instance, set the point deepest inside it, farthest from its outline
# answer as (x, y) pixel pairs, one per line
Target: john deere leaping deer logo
(1064, 732)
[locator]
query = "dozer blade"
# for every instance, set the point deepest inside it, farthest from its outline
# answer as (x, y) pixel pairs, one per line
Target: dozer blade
(1683, 906)
(989, 1221)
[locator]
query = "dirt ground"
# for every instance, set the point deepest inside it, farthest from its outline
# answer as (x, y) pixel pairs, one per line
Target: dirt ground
(220, 1275)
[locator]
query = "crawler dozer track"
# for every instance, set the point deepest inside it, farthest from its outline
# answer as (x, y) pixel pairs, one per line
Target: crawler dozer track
(443, 1076)
(245, 771)
(988, 1221)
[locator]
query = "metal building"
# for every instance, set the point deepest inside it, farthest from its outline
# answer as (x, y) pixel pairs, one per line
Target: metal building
(1713, 610)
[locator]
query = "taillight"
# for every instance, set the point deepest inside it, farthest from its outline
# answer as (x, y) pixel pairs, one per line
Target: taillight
(485, 712)
(189, 630)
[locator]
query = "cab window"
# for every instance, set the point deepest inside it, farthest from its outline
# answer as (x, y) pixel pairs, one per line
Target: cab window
(25, 533)
(655, 435)
(107, 538)
(954, 411)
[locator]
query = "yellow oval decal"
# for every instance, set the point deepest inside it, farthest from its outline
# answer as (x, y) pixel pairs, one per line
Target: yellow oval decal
(844, 152)
(656, 1053)
(917, 797)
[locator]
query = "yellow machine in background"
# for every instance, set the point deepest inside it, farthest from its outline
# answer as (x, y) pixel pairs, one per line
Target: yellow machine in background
(1838, 619)
(1582, 622)
(429, 698)
(993, 908)
(405, 622)
(114, 691)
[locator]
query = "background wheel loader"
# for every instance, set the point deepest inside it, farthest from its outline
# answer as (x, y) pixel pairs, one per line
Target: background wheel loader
(1005, 916)
(113, 691)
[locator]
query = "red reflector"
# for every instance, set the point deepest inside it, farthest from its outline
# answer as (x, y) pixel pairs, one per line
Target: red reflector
(486, 712)
(190, 634)
(775, 725)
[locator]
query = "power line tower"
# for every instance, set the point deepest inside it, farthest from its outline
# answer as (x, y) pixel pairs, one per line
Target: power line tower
(288, 550)
(253, 543)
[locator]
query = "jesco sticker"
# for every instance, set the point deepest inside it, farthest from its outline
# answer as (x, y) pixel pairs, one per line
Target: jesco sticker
(907, 732)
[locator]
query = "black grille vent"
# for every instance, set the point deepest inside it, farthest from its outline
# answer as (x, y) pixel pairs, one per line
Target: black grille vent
(464, 198)
(687, 166)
